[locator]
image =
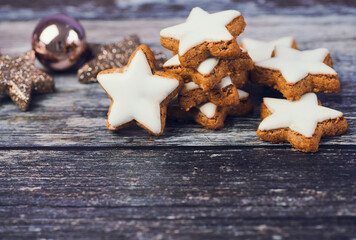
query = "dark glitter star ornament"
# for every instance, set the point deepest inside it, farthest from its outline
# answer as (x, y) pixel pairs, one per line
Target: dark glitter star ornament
(19, 78)
(108, 56)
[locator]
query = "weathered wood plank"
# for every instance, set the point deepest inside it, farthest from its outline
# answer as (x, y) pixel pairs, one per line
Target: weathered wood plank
(77, 224)
(168, 193)
(111, 9)
(181, 177)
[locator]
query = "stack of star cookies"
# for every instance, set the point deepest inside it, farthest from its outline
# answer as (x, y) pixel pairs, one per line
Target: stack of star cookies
(202, 79)
(206, 55)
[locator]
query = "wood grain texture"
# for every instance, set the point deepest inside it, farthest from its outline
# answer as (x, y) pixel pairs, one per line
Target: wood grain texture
(63, 175)
(173, 193)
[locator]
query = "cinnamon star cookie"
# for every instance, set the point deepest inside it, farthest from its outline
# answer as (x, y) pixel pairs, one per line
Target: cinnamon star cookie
(139, 93)
(294, 72)
(210, 115)
(204, 34)
(301, 123)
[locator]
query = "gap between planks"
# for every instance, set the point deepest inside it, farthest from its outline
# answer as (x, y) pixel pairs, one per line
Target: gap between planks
(173, 147)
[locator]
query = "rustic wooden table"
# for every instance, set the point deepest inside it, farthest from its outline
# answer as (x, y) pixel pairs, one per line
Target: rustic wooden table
(64, 175)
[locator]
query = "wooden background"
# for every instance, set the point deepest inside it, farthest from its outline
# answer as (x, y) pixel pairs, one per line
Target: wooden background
(133, 9)
(63, 175)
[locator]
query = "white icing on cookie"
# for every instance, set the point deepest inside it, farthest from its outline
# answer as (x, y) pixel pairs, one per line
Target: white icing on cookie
(201, 27)
(189, 86)
(208, 65)
(301, 116)
(242, 94)
(136, 94)
(262, 50)
(226, 81)
(296, 65)
(204, 67)
(173, 61)
(208, 109)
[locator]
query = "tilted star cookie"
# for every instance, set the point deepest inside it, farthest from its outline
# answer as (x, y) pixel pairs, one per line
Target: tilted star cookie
(107, 56)
(203, 35)
(295, 73)
(211, 71)
(301, 123)
(262, 50)
(210, 115)
(224, 94)
(19, 78)
(139, 93)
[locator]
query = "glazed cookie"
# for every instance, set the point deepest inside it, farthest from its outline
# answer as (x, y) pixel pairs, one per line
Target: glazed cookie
(301, 123)
(203, 35)
(19, 78)
(295, 73)
(139, 93)
(244, 107)
(224, 94)
(209, 115)
(262, 50)
(212, 70)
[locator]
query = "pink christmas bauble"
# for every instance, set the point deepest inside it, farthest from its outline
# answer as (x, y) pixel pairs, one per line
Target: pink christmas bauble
(59, 42)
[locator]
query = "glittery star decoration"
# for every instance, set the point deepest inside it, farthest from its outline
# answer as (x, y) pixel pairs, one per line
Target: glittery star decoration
(108, 56)
(19, 78)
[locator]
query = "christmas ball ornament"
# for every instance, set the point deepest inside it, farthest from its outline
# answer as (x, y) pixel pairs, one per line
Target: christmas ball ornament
(59, 42)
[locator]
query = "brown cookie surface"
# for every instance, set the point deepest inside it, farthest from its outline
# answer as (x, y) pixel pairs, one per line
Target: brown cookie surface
(224, 94)
(204, 35)
(301, 123)
(139, 93)
(211, 71)
(295, 73)
(209, 115)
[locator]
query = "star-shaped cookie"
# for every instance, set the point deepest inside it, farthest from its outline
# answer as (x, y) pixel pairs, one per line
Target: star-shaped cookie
(203, 35)
(301, 123)
(139, 93)
(294, 72)
(19, 78)
(262, 50)
(212, 70)
(210, 115)
(224, 94)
